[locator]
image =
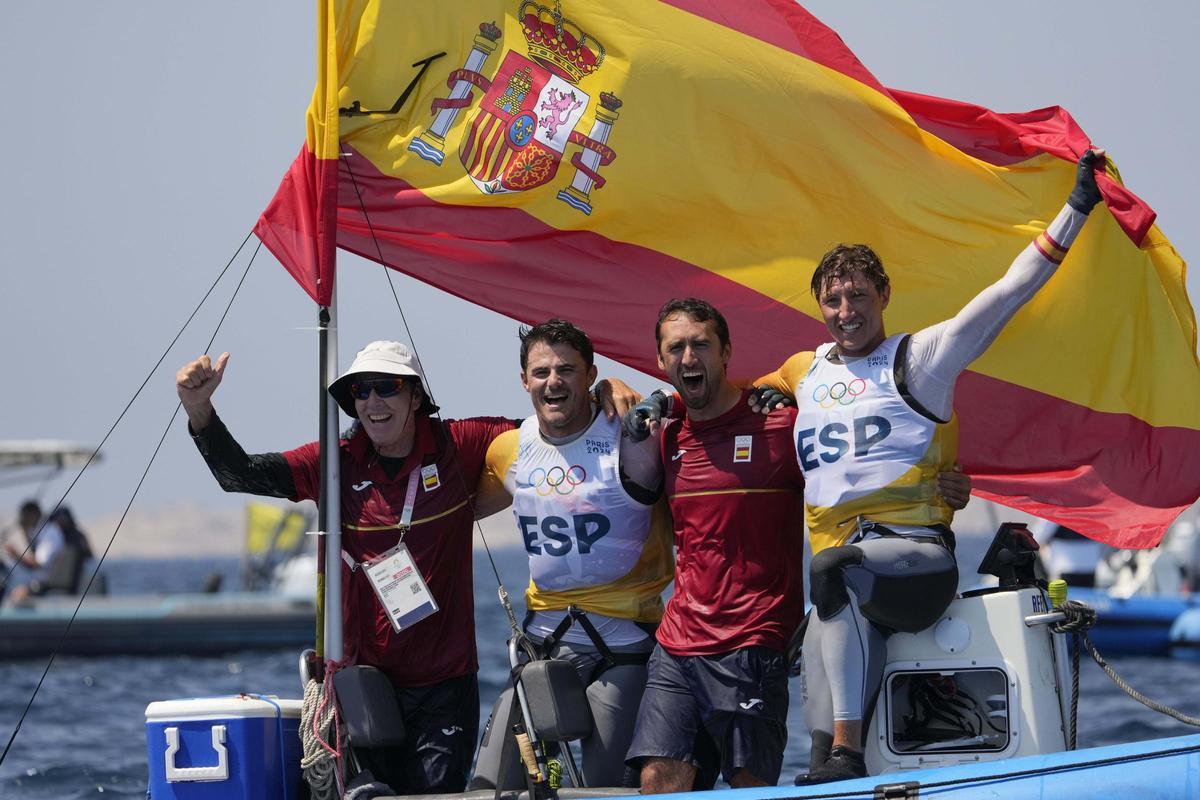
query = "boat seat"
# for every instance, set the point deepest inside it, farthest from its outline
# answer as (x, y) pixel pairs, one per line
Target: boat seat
(558, 706)
(367, 702)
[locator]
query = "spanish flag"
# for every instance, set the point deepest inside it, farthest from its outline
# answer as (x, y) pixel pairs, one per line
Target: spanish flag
(591, 160)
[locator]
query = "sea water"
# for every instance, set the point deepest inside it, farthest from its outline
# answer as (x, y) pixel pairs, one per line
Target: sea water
(85, 733)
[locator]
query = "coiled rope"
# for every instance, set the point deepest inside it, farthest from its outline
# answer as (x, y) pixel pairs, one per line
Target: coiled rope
(320, 738)
(1080, 618)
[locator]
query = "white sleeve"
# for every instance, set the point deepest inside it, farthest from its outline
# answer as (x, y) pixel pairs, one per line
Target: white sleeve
(938, 354)
(49, 542)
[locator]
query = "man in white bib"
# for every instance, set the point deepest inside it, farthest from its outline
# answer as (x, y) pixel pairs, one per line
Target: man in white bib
(874, 428)
(599, 549)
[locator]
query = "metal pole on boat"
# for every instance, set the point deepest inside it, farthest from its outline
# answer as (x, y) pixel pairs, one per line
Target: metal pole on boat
(329, 513)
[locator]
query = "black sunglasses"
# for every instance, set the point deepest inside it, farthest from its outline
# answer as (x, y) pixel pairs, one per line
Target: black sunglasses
(383, 387)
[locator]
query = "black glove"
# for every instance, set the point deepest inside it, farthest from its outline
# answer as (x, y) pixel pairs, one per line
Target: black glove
(1086, 193)
(769, 398)
(637, 421)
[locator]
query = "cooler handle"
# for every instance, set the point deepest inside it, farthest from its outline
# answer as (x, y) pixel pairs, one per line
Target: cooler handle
(216, 773)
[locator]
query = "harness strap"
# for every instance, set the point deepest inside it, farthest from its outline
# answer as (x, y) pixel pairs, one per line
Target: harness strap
(945, 535)
(900, 373)
(609, 659)
(551, 641)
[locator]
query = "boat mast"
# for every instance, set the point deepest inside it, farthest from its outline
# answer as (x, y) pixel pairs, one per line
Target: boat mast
(329, 515)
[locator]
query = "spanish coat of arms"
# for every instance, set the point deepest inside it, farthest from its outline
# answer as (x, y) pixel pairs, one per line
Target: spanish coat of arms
(529, 112)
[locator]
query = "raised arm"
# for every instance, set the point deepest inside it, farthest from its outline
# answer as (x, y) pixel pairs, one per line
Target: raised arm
(266, 474)
(938, 354)
(195, 383)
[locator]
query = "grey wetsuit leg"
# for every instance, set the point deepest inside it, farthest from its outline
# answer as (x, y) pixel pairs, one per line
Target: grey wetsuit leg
(614, 698)
(814, 690)
(853, 651)
(818, 709)
(863, 592)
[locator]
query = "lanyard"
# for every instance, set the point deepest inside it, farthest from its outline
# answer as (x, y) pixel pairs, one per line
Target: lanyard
(410, 502)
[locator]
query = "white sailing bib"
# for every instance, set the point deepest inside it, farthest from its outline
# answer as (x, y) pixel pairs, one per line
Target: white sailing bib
(864, 450)
(577, 523)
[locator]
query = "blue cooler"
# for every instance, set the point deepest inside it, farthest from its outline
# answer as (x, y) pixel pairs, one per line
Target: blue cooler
(243, 747)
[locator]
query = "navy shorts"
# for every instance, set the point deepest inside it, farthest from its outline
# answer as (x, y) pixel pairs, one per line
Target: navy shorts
(722, 713)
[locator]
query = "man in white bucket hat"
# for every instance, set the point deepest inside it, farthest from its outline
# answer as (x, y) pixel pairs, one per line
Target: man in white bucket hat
(405, 478)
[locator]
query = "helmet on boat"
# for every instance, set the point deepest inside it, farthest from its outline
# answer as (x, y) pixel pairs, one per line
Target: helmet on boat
(384, 358)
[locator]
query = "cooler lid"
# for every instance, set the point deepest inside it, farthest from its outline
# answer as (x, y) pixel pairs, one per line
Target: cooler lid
(239, 705)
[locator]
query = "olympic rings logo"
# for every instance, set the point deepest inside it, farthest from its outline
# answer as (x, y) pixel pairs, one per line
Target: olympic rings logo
(556, 479)
(839, 394)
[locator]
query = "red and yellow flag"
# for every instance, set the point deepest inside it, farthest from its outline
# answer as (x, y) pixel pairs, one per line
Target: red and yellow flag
(591, 160)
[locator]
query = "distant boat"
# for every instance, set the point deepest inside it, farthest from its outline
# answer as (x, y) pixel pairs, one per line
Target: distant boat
(185, 624)
(34, 460)
(1142, 595)
(275, 607)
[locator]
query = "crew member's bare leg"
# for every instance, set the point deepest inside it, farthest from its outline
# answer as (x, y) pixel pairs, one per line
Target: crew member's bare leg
(744, 778)
(848, 733)
(666, 775)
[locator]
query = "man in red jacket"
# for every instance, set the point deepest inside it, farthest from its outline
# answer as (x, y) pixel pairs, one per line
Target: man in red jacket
(405, 477)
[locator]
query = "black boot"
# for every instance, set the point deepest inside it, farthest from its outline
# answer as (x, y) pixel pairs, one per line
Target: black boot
(822, 744)
(842, 764)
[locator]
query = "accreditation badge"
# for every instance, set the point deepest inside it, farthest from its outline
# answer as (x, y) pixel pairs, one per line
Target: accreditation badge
(400, 588)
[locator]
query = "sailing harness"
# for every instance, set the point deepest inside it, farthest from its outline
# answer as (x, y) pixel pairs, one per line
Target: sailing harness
(609, 659)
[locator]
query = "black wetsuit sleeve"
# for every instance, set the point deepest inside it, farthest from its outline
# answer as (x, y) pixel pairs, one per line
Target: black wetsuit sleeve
(646, 497)
(266, 474)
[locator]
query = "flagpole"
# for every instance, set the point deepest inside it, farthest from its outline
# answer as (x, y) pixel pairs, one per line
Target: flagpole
(329, 601)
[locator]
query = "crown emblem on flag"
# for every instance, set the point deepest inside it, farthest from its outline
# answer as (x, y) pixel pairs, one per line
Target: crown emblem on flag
(490, 31)
(532, 110)
(557, 43)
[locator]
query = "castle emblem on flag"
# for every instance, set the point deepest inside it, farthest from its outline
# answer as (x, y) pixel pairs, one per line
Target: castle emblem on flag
(530, 111)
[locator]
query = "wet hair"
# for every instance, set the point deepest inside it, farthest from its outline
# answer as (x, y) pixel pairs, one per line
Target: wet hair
(698, 310)
(847, 259)
(556, 331)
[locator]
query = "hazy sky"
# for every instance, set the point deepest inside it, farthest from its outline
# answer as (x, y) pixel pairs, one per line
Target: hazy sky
(142, 139)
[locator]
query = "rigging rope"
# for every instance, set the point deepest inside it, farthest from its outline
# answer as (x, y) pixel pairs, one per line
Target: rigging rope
(100, 561)
(121, 416)
(1080, 617)
(321, 761)
(502, 592)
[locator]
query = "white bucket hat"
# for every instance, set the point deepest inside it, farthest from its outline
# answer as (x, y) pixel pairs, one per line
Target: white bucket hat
(383, 358)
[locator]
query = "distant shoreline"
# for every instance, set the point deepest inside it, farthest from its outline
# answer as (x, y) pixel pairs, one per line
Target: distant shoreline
(192, 530)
